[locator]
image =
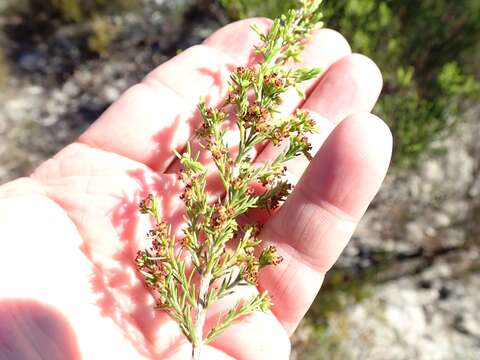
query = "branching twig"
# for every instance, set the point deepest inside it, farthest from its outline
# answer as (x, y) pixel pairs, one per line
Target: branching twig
(254, 95)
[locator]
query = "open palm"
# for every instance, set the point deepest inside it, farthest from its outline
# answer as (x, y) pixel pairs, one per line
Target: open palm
(69, 233)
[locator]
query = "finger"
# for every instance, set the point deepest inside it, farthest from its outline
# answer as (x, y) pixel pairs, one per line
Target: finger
(351, 85)
(158, 115)
(324, 49)
(238, 40)
(317, 220)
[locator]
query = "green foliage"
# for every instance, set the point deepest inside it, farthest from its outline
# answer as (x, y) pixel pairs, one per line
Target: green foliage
(426, 51)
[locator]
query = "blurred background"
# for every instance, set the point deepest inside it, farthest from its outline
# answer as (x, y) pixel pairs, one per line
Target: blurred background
(408, 285)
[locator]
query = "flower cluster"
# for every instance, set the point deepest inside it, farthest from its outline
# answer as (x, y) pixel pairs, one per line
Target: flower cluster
(217, 251)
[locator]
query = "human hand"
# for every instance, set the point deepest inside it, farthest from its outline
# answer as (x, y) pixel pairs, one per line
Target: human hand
(69, 233)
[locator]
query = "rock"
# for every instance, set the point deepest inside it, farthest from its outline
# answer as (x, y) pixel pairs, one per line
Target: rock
(406, 316)
(415, 232)
(111, 93)
(470, 326)
(32, 61)
(441, 220)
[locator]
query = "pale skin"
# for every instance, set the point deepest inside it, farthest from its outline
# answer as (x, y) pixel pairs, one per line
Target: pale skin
(69, 232)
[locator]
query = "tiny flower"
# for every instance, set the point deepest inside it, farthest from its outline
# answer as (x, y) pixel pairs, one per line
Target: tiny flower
(250, 275)
(256, 228)
(240, 70)
(266, 304)
(269, 256)
(185, 243)
(140, 258)
(249, 250)
(146, 204)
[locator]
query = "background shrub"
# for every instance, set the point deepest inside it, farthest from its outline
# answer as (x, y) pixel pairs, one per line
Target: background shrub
(70, 10)
(426, 51)
(89, 21)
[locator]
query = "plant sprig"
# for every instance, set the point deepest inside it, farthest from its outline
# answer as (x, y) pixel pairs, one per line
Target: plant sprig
(217, 252)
